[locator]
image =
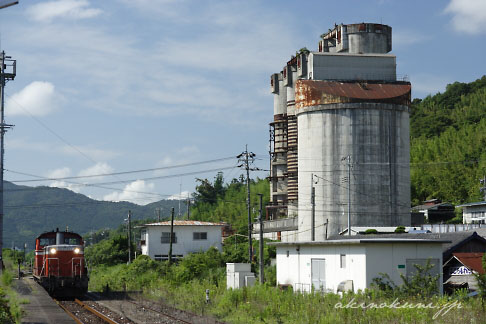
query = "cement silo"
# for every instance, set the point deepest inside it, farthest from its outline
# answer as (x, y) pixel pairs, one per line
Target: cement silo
(346, 134)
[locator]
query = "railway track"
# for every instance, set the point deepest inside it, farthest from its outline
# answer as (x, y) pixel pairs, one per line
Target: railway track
(82, 313)
(160, 313)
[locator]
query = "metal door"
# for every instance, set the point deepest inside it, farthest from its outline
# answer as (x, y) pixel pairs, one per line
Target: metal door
(318, 273)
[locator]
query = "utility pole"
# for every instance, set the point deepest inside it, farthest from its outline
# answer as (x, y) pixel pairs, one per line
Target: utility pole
(313, 203)
(129, 237)
(349, 194)
(6, 62)
(171, 234)
(483, 187)
(157, 211)
(188, 209)
(245, 158)
(260, 220)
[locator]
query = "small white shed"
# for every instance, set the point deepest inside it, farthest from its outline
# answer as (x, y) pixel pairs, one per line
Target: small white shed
(189, 237)
(352, 264)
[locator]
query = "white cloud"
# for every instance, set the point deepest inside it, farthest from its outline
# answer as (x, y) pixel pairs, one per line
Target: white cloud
(74, 9)
(61, 173)
(138, 192)
(38, 98)
(468, 16)
(180, 196)
(98, 168)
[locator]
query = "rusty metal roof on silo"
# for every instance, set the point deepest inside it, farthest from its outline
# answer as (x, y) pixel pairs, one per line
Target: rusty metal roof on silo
(312, 92)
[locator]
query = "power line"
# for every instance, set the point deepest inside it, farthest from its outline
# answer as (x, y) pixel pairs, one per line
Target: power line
(118, 173)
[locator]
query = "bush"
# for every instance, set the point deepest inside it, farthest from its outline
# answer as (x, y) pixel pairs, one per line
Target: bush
(421, 284)
(371, 231)
(400, 229)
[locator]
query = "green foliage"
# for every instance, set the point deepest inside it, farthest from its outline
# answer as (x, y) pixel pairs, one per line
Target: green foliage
(448, 136)
(215, 202)
(421, 284)
(400, 229)
(481, 279)
(370, 231)
(109, 251)
(5, 313)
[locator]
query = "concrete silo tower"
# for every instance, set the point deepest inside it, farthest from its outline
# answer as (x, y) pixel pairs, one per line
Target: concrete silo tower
(346, 122)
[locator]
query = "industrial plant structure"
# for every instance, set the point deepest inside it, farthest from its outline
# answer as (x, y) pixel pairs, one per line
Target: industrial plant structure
(339, 141)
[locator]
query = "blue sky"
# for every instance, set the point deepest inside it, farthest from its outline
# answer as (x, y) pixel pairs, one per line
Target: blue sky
(120, 85)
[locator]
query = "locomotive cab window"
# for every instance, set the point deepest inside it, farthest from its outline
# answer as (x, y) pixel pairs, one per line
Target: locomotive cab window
(72, 241)
(47, 241)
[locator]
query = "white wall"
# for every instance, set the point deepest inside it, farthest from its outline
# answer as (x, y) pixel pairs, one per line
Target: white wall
(185, 242)
(363, 262)
(386, 258)
(296, 268)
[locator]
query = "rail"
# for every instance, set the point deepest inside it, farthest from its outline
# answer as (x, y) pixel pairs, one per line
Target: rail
(87, 308)
(95, 312)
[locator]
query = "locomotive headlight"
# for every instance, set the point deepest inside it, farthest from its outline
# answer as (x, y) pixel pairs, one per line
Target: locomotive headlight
(77, 250)
(53, 251)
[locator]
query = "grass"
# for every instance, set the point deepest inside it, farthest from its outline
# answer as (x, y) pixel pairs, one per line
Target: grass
(268, 304)
(10, 309)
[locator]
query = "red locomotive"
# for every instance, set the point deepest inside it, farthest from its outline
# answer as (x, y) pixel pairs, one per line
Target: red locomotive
(59, 264)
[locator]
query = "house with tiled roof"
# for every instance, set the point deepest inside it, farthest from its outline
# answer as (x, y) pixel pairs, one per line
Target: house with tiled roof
(460, 269)
(188, 237)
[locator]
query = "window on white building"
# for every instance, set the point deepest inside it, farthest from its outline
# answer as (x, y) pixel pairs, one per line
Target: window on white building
(165, 238)
(197, 236)
(343, 261)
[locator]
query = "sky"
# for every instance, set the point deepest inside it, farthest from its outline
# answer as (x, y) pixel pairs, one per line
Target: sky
(117, 86)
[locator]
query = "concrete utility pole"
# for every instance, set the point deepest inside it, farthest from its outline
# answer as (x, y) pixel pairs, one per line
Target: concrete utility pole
(313, 203)
(7, 73)
(157, 212)
(129, 237)
(260, 220)
(349, 194)
(483, 187)
(171, 234)
(245, 158)
(188, 209)
(5, 62)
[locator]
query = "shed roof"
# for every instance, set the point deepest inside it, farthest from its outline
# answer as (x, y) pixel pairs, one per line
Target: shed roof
(185, 223)
(478, 203)
(454, 239)
(362, 241)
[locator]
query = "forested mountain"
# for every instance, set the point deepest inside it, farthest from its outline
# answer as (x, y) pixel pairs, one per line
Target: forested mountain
(448, 144)
(30, 211)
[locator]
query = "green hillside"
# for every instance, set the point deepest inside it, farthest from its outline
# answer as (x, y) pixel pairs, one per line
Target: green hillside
(448, 143)
(30, 211)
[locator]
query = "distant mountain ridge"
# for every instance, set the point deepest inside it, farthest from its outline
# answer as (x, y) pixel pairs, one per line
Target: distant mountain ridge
(30, 211)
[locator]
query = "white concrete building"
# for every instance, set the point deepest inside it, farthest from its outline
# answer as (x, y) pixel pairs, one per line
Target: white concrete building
(353, 263)
(189, 237)
(474, 213)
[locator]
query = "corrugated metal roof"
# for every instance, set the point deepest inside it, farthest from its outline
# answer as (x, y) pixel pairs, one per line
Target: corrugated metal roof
(472, 260)
(312, 92)
(479, 203)
(185, 223)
